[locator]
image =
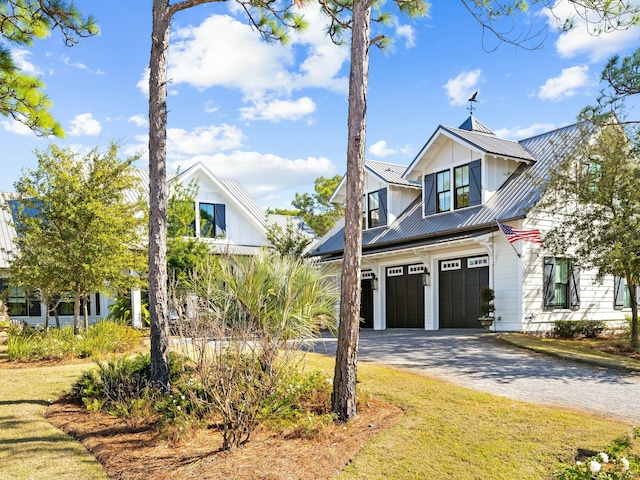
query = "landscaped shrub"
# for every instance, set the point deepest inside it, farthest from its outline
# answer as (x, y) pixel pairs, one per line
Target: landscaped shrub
(26, 343)
(577, 328)
(614, 463)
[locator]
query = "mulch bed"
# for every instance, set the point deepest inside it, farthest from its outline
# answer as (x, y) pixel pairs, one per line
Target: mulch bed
(129, 451)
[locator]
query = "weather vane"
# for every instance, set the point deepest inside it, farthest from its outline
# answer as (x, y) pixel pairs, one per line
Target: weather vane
(472, 100)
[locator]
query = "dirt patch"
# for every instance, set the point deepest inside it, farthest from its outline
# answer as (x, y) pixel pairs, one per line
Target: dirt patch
(137, 452)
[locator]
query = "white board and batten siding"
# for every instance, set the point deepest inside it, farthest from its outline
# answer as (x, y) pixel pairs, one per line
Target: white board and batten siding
(596, 298)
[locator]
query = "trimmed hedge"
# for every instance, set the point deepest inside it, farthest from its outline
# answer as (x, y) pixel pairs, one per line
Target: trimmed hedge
(578, 328)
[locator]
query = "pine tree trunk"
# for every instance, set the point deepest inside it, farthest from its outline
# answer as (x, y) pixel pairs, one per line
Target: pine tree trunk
(343, 400)
(76, 313)
(634, 312)
(158, 299)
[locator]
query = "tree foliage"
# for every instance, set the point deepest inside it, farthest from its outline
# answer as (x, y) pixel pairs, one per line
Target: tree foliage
(80, 225)
(315, 208)
(596, 183)
(21, 22)
(290, 240)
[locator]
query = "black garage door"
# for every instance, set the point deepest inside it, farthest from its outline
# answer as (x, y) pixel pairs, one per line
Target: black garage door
(405, 296)
(460, 282)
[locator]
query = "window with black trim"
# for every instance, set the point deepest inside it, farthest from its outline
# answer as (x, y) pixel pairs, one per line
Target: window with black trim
(374, 209)
(466, 188)
(443, 191)
(212, 220)
(561, 284)
(21, 305)
(461, 186)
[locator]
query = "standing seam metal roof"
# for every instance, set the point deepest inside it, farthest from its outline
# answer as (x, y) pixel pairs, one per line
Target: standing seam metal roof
(512, 201)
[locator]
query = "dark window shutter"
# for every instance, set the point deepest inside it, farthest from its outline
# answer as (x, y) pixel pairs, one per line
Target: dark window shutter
(475, 183)
(429, 194)
(382, 206)
(97, 307)
(220, 219)
(574, 286)
(618, 293)
(549, 284)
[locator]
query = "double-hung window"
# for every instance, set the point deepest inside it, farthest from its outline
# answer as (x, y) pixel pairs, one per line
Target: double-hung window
(374, 209)
(622, 295)
(443, 191)
(461, 185)
(465, 187)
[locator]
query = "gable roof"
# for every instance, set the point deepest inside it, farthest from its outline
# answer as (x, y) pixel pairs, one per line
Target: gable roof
(476, 136)
(511, 201)
(390, 173)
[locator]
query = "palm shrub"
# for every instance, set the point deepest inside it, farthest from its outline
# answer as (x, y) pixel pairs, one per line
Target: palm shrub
(241, 314)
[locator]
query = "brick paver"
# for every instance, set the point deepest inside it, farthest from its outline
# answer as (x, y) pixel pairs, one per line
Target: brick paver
(478, 360)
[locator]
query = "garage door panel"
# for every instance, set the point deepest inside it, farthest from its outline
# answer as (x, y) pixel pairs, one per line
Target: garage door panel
(460, 282)
(404, 298)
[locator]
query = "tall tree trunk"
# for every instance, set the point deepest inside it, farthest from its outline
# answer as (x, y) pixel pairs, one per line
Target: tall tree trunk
(158, 299)
(343, 400)
(76, 313)
(47, 316)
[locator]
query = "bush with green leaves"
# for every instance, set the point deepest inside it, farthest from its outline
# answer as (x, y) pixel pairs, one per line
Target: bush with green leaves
(578, 328)
(615, 462)
(26, 343)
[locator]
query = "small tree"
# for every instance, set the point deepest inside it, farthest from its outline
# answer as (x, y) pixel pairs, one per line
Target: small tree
(597, 184)
(79, 229)
(291, 240)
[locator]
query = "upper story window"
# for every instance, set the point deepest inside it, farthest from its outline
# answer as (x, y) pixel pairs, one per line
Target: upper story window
(374, 209)
(212, 220)
(466, 188)
(461, 178)
(443, 191)
(561, 283)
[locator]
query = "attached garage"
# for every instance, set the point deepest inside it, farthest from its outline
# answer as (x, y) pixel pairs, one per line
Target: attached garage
(405, 296)
(459, 283)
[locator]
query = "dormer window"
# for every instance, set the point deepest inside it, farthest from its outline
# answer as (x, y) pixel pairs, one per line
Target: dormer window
(461, 178)
(466, 189)
(374, 209)
(443, 191)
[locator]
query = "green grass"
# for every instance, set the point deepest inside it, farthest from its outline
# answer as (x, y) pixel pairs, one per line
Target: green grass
(582, 350)
(453, 432)
(446, 432)
(30, 448)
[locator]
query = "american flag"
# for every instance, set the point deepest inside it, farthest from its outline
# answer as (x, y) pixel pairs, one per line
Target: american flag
(515, 234)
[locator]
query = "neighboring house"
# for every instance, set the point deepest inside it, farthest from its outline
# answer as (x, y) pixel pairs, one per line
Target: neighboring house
(229, 220)
(431, 240)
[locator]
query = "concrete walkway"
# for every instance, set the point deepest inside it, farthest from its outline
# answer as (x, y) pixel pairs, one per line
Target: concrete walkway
(478, 360)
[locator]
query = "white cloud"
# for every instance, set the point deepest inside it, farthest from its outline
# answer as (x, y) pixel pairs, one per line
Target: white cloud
(518, 133)
(264, 175)
(247, 63)
(20, 58)
(16, 127)
(381, 149)
(139, 120)
(566, 84)
(203, 140)
(581, 38)
(408, 33)
(85, 124)
(67, 61)
(460, 88)
(277, 110)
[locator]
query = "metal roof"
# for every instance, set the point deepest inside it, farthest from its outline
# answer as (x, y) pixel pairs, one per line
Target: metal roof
(390, 173)
(240, 193)
(512, 201)
(475, 125)
(492, 145)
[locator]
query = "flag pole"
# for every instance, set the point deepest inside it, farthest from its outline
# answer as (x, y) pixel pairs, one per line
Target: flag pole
(514, 248)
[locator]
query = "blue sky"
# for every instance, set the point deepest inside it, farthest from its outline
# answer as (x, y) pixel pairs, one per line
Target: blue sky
(275, 117)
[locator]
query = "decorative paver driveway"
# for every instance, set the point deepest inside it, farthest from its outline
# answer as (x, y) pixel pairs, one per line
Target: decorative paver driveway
(480, 361)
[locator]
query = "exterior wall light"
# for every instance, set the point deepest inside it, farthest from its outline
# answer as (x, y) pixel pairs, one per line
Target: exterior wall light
(426, 278)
